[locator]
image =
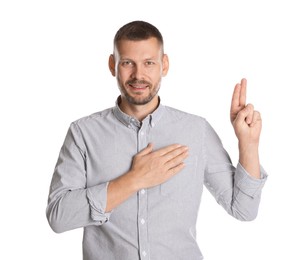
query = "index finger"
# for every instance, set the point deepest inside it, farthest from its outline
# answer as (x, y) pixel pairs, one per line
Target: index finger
(242, 100)
(170, 148)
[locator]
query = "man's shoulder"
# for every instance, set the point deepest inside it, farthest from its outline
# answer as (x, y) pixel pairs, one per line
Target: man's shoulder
(183, 115)
(96, 116)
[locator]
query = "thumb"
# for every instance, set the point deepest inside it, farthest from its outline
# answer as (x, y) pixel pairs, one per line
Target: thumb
(146, 150)
(244, 114)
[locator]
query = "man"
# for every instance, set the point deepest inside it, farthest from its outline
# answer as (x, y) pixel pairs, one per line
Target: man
(132, 175)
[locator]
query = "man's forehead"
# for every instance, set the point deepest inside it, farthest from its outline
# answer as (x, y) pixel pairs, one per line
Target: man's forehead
(150, 47)
(146, 43)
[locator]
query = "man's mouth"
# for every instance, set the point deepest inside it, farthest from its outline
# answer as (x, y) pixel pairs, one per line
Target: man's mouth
(139, 85)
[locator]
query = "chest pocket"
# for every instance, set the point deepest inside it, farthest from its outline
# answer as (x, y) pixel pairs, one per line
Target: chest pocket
(181, 184)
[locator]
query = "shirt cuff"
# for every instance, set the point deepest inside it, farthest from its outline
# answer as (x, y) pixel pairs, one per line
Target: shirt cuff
(248, 184)
(97, 197)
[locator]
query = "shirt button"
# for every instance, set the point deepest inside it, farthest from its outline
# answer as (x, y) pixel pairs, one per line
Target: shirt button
(142, 221)
(144, 253)
(142, 133)
(142, 191)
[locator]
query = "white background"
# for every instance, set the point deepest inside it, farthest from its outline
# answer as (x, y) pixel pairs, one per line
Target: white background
(53, 70)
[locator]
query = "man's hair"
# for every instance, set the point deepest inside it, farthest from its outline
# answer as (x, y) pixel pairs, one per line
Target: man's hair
(137, 31)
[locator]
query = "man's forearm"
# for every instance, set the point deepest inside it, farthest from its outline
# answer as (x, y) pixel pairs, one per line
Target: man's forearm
(249, 159)
(120, 190)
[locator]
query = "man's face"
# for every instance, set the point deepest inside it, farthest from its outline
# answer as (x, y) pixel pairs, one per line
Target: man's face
(138, 67)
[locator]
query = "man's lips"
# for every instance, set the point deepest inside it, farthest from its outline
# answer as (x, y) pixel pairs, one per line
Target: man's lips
(142, 86)
(138, 85)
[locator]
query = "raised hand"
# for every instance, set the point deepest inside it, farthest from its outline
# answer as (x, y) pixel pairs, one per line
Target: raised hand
(245, 120)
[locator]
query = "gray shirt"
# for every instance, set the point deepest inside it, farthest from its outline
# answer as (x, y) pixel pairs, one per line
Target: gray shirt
(158, 223)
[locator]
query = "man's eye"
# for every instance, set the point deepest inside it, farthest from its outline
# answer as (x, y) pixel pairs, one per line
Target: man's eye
(150, 63)
(126, 63)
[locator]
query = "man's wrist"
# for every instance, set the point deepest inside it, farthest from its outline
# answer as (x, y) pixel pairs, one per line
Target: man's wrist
(249, 158)
(133, 181)
(246, 147)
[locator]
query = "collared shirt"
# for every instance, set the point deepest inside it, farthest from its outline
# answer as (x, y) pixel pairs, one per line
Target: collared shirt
(157, 223)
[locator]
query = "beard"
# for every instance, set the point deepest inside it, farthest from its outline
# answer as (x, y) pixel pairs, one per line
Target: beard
(137, 98)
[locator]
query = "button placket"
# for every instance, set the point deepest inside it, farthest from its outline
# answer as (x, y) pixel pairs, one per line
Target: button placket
(142, 224)
(142, 201)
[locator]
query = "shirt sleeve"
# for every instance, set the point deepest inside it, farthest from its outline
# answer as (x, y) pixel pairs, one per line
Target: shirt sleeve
(71, 204)
(233, 188)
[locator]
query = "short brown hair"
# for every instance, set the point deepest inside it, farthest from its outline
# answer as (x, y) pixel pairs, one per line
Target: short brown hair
(138, 30)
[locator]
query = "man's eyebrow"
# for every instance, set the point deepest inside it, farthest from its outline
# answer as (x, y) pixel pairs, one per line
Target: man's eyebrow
(130, 59)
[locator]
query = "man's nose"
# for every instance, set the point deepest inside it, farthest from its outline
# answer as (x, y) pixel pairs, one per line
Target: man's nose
(138, 72)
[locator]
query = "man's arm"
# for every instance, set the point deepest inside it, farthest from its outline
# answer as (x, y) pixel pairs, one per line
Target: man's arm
(238, 190)
(247, 125)
(72, 204)
(148, 170)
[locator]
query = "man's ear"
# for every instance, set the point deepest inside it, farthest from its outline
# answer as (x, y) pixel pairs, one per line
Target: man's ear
(165, 65)
(112, 64)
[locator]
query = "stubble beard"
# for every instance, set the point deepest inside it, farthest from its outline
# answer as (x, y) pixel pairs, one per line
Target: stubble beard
(140, 101)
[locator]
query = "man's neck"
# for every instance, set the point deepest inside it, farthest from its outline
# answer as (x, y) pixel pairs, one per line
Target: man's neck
(140, 112)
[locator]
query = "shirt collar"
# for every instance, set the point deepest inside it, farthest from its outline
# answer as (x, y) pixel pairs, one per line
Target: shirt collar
(129, 121)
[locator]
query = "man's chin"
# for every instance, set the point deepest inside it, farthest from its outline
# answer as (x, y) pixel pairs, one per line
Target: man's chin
(139, 101)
